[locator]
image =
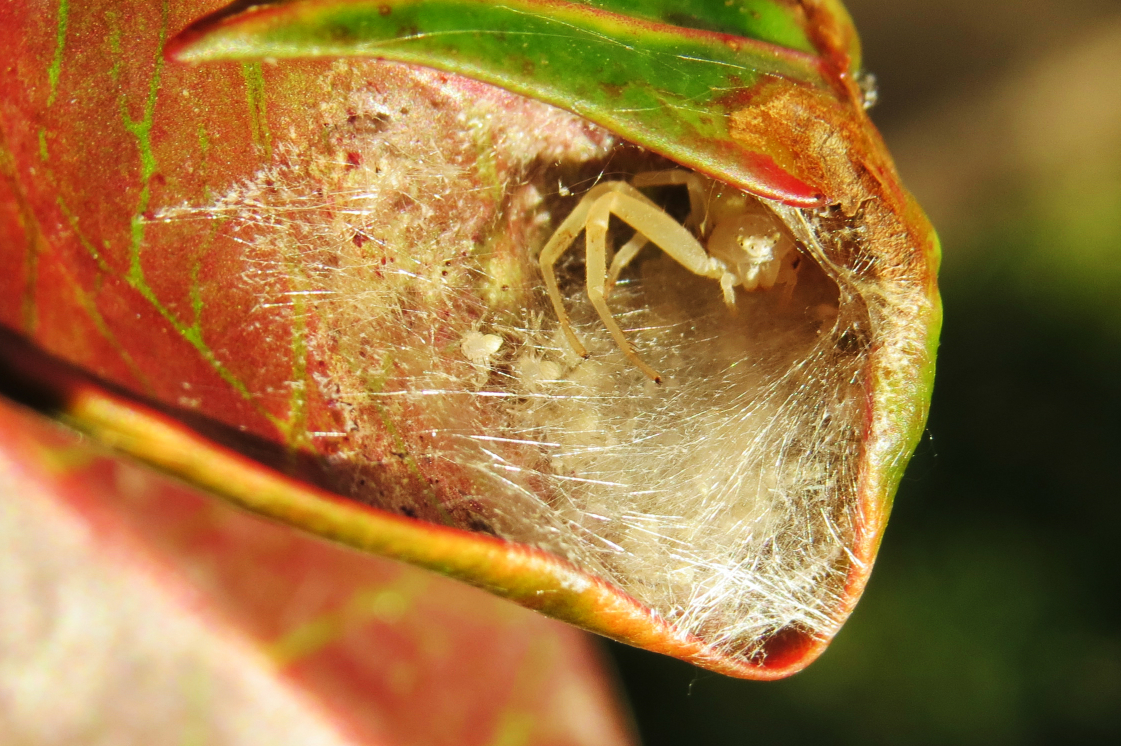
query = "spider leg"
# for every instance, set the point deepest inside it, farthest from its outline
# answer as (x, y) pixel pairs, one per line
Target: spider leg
(658, 228)
(624, 257)
(694, 182)
(637, 242)
(558, 244)
(599, 218)
(664, 232)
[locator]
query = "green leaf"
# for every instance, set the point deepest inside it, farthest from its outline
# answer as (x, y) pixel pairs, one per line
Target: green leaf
(779, 23)
(668, 88)
(821, 27)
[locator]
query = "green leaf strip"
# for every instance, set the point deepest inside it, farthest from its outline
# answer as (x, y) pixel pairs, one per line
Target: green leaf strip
(667, 88)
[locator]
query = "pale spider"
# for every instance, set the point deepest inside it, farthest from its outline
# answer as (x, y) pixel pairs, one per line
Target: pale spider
(728, 236)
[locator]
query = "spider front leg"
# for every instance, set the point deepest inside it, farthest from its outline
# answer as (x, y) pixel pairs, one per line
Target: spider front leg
(698, 188)
(697, 185)
(557, 245)
(658, 228)
(599, 218)
(563, 238)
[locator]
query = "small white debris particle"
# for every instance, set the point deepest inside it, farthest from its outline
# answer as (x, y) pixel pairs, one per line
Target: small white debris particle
(479, 348)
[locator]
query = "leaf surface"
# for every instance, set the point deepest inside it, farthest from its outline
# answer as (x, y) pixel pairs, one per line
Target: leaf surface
(663, 86)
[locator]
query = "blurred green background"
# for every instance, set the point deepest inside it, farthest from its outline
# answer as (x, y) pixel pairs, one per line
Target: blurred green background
(993, 613)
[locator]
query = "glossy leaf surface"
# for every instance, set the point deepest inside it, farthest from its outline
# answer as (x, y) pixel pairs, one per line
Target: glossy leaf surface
(666, 87)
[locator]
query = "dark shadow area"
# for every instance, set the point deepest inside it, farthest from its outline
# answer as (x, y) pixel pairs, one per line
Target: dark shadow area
(44, 383)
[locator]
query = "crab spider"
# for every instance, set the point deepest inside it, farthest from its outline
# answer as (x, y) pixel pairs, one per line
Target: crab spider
(743, 243)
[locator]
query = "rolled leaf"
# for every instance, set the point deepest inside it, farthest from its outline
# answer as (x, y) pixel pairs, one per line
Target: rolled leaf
(354, 283)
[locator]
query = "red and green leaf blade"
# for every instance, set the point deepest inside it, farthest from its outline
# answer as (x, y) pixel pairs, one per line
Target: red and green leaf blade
(661, 86)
